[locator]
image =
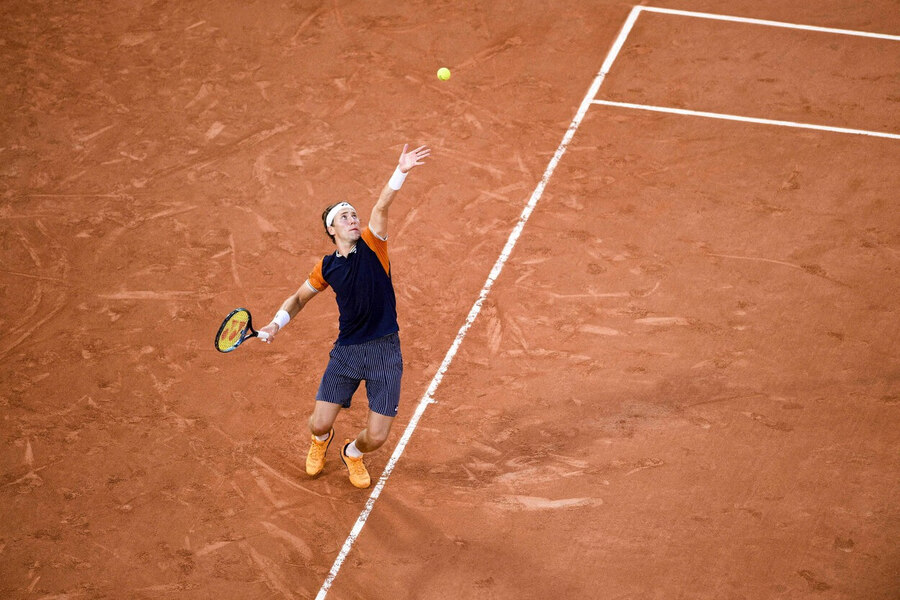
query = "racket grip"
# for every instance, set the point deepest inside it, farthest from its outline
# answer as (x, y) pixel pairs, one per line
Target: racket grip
(263, 335)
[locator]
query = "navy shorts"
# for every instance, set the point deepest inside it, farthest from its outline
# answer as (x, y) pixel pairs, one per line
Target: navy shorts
(378, 362)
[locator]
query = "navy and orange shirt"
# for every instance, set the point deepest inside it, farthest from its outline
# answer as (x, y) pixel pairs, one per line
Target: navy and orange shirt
(363, 289)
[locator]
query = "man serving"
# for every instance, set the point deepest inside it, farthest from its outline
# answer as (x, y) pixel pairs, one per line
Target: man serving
(368, 346)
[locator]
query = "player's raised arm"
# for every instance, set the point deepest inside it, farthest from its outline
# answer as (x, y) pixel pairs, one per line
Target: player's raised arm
(408, 160)
(289, 309)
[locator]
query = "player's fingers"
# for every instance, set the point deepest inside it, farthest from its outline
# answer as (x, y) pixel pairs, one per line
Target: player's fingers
(405, 146)
(264, 336)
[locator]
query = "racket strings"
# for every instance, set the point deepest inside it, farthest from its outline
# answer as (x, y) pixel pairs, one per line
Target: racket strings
(233, 331)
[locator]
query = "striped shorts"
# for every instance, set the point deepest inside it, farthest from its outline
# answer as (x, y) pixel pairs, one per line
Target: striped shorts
(378, 362)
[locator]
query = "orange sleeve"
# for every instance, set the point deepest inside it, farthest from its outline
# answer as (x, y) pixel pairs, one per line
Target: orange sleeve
(315, 277)
(379, 246)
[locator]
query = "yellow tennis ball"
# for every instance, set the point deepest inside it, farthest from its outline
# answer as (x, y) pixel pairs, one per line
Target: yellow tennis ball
(443, 74)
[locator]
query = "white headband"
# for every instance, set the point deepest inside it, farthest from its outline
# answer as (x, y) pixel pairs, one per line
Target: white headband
(334, 211)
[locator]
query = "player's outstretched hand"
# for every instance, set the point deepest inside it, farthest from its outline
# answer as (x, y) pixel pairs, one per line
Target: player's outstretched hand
(413, 158)
(271, 329)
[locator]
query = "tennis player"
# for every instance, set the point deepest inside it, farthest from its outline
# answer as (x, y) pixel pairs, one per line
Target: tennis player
(368, 347)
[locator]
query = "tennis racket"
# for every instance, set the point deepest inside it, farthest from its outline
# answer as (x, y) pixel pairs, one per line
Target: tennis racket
(237, 327)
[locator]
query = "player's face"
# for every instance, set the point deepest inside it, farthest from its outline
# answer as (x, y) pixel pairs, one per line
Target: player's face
(346, 225)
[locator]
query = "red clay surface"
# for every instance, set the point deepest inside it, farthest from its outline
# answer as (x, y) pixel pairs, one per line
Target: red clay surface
(684, 384)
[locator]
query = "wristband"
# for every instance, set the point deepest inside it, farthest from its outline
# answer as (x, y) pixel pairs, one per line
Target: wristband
(281, 318)
(397, 179)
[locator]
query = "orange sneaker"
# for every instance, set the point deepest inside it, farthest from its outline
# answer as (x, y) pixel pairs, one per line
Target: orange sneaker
(359, 476)
(315, 458)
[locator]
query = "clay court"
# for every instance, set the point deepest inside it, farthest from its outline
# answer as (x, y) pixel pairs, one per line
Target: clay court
(649, 317)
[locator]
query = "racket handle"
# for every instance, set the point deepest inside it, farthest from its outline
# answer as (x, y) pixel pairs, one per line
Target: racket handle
(263, 335)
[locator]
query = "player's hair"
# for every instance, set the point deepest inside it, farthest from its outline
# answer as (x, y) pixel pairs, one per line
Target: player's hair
(324, 220)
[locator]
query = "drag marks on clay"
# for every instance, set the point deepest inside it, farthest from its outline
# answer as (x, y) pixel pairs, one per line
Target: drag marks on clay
(292, 540)
(644, 464)
(461, 157)
(598, 330)
(501, 194)
(590, 294)
(533, 503)
(28, 459)
(30, 479)
(497, 324)
(489, 53)
(267, 492)
(274, 577)
(234, 266)
(34, 251)
(200, 161)
(154, 295)
(214, 130)
(811, 269)
(662, 321)
(524, 472)
(213, 547)
(24, 332)
(813, 581)
(699, 421)
(92, 135)
(31, 276)
(285, 479)
(768, 422)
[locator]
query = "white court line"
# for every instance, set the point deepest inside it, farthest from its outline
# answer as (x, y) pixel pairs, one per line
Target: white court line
(711, 115)
(702, 15)
(428, 398)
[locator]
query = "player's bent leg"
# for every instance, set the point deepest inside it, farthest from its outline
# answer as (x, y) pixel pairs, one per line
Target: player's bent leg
(322, 419)
(369, 439)
(375, 434)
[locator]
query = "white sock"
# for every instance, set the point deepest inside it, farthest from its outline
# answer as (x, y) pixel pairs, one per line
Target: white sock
(322, 438)
(352, 451)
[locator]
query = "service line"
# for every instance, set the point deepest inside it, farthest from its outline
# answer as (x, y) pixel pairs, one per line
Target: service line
(428, 398)
(711, 115)
(749, 21)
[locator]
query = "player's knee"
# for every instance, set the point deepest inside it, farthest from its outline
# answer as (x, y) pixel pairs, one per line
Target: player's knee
(319, 425)
(377, 438)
